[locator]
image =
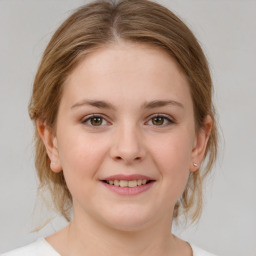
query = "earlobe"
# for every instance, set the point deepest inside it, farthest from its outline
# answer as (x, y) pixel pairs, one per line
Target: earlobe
(201, 144)
(50, 142)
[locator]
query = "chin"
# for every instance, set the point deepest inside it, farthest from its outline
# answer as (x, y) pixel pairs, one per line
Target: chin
(128, 219)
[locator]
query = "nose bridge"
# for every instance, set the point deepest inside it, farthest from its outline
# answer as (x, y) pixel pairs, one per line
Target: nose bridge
(128, 145)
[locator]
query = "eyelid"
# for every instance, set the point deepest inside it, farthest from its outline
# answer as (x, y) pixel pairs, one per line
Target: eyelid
(170, 119)
(86, 118)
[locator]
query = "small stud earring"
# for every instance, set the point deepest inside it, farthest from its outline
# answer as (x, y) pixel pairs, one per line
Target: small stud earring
(195, 164)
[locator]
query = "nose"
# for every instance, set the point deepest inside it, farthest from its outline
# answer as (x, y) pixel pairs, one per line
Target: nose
(128, 145)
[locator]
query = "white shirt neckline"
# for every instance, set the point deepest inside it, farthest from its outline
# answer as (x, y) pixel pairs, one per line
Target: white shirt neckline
(195, 250)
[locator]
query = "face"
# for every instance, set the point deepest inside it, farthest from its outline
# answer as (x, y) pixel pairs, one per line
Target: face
(125, 136)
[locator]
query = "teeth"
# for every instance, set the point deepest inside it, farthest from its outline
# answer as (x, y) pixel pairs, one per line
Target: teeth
(126, 183)
(116, 182)
(123, 183)
(132, 183)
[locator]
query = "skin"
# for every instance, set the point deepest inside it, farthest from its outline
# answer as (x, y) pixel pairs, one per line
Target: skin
(129, 80)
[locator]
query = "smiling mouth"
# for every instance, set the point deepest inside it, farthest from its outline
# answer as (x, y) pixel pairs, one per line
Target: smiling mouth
(127, 183)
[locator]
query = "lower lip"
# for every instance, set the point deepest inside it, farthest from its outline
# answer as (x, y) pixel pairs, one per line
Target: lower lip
(126, 191)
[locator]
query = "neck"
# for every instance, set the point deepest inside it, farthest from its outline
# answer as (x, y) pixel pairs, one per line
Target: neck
(89, 237)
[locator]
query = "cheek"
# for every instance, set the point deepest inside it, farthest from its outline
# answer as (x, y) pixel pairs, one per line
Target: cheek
(173, 157)
(173, 152)
(80, 157)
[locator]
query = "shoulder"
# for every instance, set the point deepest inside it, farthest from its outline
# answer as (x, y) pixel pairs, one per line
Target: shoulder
(38, 248)
(200, 252)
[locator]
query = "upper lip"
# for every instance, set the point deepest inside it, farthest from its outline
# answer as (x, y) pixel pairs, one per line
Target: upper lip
(128, 177)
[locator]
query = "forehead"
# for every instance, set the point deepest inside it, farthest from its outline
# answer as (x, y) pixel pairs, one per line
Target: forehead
(133, 57)
(127, 71)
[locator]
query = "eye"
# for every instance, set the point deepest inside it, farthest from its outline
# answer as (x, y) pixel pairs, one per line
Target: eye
(95, 120)
(160, 120)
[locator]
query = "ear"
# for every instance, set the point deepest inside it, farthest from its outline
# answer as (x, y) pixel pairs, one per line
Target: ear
(50, 141)
(200, 144)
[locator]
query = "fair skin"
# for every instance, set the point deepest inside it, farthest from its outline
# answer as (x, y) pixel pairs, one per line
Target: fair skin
(126, 114)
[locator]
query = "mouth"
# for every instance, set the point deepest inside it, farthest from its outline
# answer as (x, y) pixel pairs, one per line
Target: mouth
(128, 183)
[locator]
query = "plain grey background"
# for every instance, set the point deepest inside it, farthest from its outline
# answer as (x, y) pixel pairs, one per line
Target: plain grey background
(226, 30)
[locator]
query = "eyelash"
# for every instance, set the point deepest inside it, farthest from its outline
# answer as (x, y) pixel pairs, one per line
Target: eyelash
(165, 118)
(88, 120)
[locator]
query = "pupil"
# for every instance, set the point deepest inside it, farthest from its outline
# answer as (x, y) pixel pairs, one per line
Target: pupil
(96, 121)
(158, 120)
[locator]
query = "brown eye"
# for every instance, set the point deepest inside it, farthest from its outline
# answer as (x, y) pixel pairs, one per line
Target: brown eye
(158, 120)
(96, 120)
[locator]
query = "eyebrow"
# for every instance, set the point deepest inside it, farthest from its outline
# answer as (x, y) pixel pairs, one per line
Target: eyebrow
(162, 103)
(107, 105)
(94, 103)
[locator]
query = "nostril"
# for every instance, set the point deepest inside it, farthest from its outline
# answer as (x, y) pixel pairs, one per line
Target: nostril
(123, 158)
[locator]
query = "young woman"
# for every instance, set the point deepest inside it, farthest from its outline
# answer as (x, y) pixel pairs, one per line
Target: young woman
(122, 105)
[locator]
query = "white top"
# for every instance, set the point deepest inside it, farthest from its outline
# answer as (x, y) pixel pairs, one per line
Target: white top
(42, 248)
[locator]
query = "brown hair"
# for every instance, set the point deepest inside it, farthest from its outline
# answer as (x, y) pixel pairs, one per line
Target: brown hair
(100, 23)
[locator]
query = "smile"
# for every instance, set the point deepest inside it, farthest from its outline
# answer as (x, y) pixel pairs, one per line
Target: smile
(127, 183)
